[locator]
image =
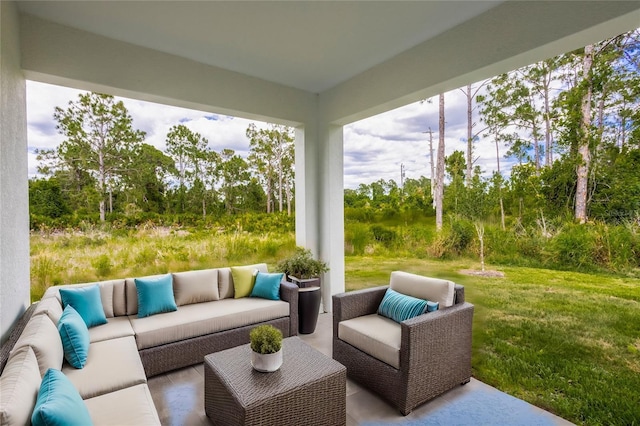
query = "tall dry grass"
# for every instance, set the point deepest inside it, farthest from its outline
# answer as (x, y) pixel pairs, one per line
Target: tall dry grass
(76, 257)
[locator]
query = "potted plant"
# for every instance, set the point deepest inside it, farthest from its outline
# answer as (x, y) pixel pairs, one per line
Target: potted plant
(266, 348)
(305, 271)
(302, 268)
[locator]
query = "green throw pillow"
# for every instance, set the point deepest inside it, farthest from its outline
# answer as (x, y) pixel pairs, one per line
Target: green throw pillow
(243, 279)
(155, 295)
(267, 286)
(75, 337)
(59, 403)
(87, 302)
(400, 307)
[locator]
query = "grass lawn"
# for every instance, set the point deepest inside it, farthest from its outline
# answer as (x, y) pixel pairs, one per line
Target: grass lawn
(567, 342)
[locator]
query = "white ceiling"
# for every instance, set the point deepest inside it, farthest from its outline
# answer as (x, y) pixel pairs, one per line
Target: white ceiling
(308, 45)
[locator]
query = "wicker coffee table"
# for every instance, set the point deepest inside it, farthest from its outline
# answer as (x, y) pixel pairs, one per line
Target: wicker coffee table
(309, 388)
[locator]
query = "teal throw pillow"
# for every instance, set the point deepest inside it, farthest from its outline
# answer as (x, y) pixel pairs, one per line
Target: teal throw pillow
(400, 307)
(59, 403)
(155, 295)
(432, 306)
(75, 337)
(267, 286)
(87, 302)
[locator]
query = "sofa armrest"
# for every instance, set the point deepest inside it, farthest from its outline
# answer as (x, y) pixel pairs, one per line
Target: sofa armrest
(458, 294)
(289, 293)
(438, 343)
(355, 304)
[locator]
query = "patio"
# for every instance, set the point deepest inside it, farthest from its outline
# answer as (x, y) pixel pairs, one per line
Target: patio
(179, 399)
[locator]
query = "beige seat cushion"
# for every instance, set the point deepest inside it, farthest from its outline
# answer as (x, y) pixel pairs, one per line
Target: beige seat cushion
(433, 289)
(19, 385)
(131, 406)
(43, 337)
(374, 334)
(195, 286)
(50, 306)
(225, 280)
(111, 365)
(114, 328)
(204, 318)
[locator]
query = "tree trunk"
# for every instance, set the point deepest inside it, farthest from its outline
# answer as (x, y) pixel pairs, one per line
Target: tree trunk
(439, 190)
(583, 149)
(101, 182)
(499, 184)
(548, 159)
(469, 134)
(433, 173)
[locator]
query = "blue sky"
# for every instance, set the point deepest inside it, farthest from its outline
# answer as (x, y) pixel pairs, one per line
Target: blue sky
(374, 148)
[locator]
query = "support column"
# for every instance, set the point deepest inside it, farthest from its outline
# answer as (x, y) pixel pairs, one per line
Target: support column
(320, 201)
(331, 220)
(14, 189)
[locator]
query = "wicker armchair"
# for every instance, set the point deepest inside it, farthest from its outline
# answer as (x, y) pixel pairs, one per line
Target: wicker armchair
(435, 350)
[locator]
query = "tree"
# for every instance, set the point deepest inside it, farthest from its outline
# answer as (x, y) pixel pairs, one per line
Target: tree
(234, 176)
(146, 182)
(471, 93)
(100, 141)
(584, 151)
(272, 157)
(439, 186)
(189, 151)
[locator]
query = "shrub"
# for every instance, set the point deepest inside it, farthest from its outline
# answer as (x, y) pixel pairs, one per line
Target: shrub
(102, 265)
(357, 235)
(383, 235)
(265, 339)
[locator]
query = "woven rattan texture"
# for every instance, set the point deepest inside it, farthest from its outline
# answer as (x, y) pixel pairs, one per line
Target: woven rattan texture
(435, 353)
(160, 359)
(309, 388)
(15, 333)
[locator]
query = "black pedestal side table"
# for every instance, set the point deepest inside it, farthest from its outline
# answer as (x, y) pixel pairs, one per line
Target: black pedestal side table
(308, 309)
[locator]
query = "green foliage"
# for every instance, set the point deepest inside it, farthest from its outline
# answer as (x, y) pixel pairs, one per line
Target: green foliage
(302, 265)
(265, 339)
(102, 265)
(357, 238)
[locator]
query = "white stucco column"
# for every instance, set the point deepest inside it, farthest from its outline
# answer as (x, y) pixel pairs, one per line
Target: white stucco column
(14, 201)
(319, 201)
(331, 209)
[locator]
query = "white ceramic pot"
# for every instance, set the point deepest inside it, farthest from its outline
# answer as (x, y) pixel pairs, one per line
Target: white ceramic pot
(266, 363)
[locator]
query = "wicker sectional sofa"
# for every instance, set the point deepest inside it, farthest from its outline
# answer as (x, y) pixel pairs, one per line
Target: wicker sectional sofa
(127, 349)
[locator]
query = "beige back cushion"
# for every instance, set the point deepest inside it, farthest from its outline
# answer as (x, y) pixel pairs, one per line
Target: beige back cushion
(432, 289)
(112, 294)
(19, 385)
(132, 293)
(195, 286)
(43, 337)
(50, 306)
(225, 280)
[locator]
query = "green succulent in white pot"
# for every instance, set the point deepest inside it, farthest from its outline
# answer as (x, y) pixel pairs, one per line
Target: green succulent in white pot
(266, 348)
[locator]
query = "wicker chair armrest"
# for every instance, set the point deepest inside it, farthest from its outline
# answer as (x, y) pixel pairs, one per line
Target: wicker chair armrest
(436, 340)
(289, 293)
(357, 303)
(459, 294)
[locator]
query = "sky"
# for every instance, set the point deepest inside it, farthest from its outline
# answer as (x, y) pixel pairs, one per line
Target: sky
(374, 148)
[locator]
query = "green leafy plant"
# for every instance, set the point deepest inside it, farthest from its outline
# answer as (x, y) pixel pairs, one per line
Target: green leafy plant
(265, 339)
(302, 265)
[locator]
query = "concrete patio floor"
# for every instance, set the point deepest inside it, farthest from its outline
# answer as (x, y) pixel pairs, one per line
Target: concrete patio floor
(179, 399)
